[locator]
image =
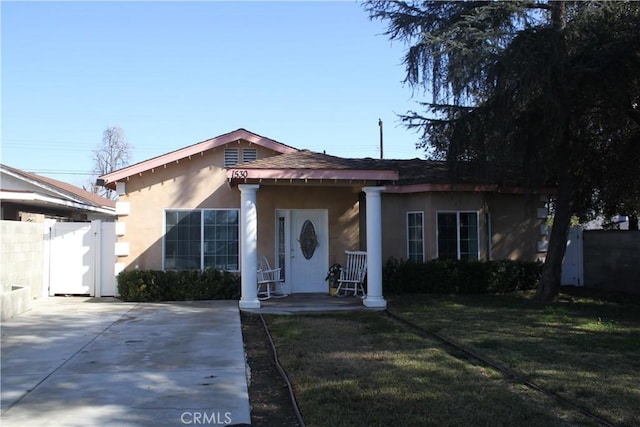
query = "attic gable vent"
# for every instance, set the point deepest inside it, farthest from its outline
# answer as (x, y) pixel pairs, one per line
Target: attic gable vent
(230, 157)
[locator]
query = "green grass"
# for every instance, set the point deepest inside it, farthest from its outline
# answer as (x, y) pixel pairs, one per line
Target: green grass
(585, 350)
(365, 369)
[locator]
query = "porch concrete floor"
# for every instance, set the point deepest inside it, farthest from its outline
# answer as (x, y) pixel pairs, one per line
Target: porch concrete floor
(309, 303)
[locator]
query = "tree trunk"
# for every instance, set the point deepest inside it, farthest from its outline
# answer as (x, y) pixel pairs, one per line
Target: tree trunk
(549, 285)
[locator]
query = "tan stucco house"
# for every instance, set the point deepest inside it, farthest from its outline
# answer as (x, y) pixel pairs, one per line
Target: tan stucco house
(226, 201)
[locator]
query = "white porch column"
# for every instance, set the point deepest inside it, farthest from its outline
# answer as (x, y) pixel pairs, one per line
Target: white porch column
(248, 246)
(374, 248)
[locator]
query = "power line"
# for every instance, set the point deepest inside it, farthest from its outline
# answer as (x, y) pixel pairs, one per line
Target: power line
(57, 172)
(15, 146)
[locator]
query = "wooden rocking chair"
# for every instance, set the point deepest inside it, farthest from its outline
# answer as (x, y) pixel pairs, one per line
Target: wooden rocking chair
(352, 274)
(269, 281)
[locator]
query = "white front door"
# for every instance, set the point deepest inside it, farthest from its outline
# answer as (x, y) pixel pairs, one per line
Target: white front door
(308, 251)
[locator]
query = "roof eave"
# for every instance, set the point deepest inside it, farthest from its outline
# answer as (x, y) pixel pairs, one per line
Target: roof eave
(194, 150)
(312, 174)
(482, 188)
(40, 184)
(35, 197)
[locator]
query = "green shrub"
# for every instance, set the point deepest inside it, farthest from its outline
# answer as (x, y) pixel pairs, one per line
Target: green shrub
(460, 277)
(185, 285)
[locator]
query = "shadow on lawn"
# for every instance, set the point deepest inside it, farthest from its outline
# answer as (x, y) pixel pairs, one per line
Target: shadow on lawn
(582, 349)
(364, 369)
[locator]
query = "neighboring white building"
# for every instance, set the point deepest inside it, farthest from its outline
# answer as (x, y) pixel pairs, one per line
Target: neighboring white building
(29, 197)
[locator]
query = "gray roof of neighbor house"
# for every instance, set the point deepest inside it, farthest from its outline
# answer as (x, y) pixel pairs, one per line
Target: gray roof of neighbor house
(49, 187)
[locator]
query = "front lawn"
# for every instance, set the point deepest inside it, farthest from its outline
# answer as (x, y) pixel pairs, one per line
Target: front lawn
(584, 349)
(365, 369)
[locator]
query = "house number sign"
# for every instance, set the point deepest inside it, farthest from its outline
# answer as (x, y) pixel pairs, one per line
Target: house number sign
(308, 239)
(239, 174)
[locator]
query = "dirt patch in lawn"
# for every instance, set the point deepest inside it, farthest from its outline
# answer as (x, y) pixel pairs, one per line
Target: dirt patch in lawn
(268, 394)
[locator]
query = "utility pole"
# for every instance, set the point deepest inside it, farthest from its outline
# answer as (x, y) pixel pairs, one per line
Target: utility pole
(381, 150)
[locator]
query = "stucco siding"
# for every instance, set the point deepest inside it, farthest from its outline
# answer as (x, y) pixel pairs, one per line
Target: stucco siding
(394, 219)
(340, 202)
(513, 226)
(198, 182)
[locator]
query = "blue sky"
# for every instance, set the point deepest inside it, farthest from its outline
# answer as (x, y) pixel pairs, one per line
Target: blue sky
(315, 75)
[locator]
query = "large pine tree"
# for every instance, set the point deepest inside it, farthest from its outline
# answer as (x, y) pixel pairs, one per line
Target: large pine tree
(547, 88)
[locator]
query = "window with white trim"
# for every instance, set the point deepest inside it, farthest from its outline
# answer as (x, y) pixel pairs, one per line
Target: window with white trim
(201, 239)
(249, 155)
(281, 236)
(231, 157)
(415, 236)
(458, 235)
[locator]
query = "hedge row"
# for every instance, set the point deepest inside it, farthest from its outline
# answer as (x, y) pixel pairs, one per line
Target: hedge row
(399, 276)
(460, 277)
(185, 285)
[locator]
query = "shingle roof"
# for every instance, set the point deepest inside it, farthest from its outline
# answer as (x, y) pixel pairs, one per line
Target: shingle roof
(410, 171)
(293, 164)
(305, 159)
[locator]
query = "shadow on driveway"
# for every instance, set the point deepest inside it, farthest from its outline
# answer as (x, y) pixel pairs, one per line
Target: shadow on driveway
(77, 362)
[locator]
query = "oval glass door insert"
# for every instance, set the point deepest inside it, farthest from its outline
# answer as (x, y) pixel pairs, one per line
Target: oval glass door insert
(308, 239)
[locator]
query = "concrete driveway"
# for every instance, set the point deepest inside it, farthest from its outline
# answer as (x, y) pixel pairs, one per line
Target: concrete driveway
(101, 362)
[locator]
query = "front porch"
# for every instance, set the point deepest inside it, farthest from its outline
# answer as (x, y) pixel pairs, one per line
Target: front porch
(310, 266)
(309, 303)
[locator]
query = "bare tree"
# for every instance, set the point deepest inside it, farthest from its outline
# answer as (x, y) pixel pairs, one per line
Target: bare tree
(113, 153)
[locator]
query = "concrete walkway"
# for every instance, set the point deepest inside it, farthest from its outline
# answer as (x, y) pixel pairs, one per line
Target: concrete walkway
(309, 303)
(101, 362)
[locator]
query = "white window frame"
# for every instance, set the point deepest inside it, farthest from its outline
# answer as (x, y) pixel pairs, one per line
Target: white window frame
(408, 234)
(285, 215)
(202, 252)
(457, 230)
